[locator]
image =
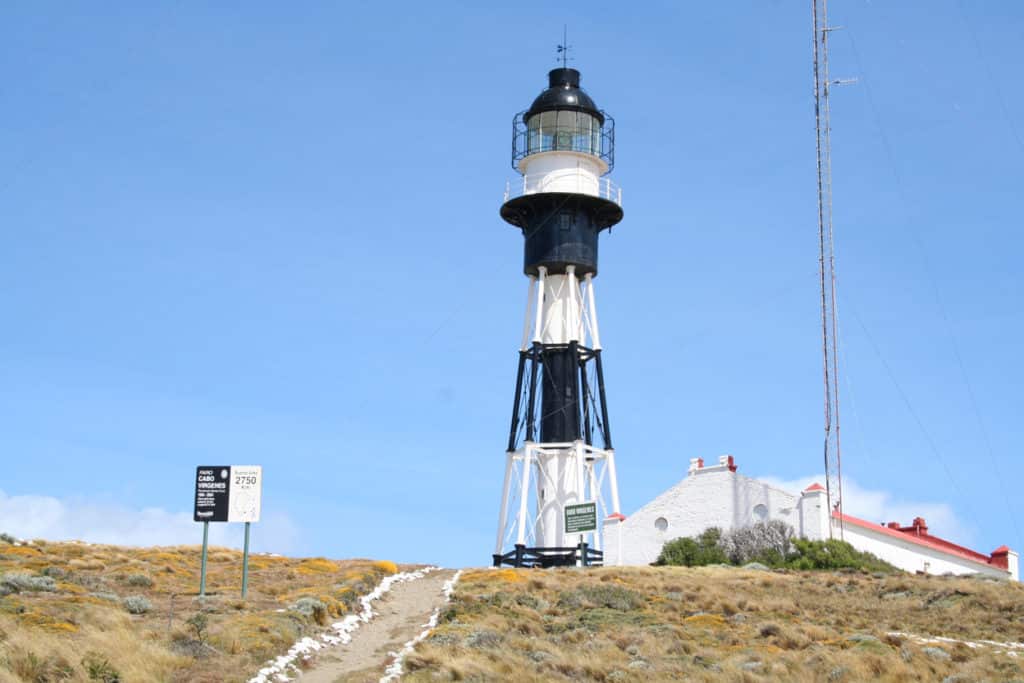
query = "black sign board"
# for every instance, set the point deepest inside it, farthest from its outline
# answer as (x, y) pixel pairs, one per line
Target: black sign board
(213, 485)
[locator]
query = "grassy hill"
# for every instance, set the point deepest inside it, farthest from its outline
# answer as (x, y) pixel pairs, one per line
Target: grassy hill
(722, 624)
(80, 612)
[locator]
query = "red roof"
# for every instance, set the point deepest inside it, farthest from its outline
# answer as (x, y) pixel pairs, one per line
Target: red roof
(918, 537)
(815, 487)
(617, 515)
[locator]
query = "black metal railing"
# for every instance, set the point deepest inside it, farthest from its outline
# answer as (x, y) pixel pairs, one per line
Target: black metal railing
(599, 141)
(570, 556)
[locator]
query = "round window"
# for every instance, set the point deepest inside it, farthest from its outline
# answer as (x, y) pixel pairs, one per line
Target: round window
(761, 512)
(661, 524)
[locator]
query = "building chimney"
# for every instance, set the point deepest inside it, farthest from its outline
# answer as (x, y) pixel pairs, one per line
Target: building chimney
(1001, 557)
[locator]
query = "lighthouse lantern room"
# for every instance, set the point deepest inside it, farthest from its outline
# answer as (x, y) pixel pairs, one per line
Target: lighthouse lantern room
(559, 450)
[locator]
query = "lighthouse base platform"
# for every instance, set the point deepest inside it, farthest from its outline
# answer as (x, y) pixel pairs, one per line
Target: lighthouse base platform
(581, 555)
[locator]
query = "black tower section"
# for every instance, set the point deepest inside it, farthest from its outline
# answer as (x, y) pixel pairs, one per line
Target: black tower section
(560, 393)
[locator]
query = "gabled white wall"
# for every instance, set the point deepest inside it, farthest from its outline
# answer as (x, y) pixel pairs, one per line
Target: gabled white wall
(709, 496)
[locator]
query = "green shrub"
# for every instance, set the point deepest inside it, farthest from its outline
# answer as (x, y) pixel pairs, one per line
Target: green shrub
(834, 554)
(770, 543)
(7, 538)
(703, 550)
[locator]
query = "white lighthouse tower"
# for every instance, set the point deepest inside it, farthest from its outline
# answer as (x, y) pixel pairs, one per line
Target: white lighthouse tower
(559, 449)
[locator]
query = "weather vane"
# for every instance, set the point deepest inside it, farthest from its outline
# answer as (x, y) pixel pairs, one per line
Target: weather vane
(563, 49)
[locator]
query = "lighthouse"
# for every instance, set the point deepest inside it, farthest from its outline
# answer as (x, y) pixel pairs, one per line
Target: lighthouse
(559, 458)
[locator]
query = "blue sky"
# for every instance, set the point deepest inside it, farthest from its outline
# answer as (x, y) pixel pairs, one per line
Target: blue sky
(258, 233)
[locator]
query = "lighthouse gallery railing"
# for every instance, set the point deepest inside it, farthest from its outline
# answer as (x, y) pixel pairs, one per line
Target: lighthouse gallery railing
(604, 187)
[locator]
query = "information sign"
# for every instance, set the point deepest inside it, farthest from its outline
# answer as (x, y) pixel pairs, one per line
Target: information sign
(212, 482)
(228, 493)
(580, 518)
(244, 493)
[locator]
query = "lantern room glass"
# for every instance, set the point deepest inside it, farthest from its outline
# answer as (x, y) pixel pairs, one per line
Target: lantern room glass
(572, 131)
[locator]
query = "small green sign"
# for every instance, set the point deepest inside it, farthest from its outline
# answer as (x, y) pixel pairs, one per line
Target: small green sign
(580, 518)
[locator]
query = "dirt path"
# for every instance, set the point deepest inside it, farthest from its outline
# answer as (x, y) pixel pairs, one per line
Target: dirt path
(399, 617)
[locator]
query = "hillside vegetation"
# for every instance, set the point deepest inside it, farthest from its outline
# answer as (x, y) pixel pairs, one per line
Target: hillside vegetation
(722, 624)
(80, 612)
(773, 544)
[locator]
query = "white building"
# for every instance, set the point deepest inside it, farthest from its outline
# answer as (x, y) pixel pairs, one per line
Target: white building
(718, 495)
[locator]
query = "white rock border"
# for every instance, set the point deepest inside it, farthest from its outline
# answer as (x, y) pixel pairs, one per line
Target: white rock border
(394, 670)
(277, 670)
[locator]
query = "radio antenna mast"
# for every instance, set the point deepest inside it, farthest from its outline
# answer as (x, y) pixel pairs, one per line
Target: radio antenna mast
(826, 266)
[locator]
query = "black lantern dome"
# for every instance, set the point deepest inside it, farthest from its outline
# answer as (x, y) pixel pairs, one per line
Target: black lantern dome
(564, 93)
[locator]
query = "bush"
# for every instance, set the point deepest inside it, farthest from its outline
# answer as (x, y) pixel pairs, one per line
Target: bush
(55, 572)
(199, 622)
(484, 639)
(98, 668)
(7, 538)
(16, 582)
(834, 554)
(137, 604)
(769, 543)
(311, 607)
(693, 552)
(139, 580)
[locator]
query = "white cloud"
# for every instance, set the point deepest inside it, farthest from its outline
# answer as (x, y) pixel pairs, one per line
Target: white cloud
(875, 505)
(45, 517)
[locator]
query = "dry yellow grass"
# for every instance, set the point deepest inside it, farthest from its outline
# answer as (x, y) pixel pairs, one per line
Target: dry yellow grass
(60, 635)
(718, 624)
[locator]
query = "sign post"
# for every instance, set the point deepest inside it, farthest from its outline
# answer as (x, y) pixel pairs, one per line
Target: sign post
(227, 493)
(244, 506)
(245, 563)
(211, 506)
(579, 519)
(202, 571)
